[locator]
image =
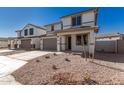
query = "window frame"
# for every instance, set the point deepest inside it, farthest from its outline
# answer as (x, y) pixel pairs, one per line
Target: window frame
(82, 37)
(25, 32)
(31, 30)
(52, 27)
(80, 41)
(75, 20)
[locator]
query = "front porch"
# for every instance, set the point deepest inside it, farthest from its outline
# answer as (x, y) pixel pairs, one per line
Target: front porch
(79, 40)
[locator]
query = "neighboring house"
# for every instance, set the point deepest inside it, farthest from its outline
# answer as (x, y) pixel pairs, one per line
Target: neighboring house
(74, 32)
(113, 43)
(3, 42)
(27, 38)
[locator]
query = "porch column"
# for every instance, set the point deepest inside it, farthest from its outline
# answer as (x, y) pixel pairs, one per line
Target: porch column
(62, 42)
(41, 44)
(92, 43)
(18, 43)
(12, 44)
(58, 43)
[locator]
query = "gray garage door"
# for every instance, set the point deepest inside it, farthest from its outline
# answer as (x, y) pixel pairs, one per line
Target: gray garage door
(50, 44)
(26, 44)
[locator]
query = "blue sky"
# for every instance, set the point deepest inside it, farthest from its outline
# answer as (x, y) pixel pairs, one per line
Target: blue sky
(109, 19)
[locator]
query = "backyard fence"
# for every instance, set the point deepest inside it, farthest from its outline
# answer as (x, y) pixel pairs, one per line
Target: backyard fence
(115, 46)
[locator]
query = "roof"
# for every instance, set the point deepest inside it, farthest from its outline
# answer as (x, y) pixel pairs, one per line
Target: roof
(31, 25)
(108, 35)
(53, 23)
(79, 28)
(89, 10)
(37, 26)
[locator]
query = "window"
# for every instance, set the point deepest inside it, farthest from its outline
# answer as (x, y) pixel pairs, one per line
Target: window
(76, 21)
(20, 34)
(31, 31)
(78, 40)
(52, 28)
(26, 32)
(82, 39)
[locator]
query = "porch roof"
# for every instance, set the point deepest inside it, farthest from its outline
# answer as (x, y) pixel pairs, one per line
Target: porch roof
(95, 28)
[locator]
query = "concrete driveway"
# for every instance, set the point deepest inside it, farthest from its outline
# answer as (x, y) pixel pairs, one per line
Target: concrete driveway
(30, 55)
(5, 50)
(10, 63)
(7, 66)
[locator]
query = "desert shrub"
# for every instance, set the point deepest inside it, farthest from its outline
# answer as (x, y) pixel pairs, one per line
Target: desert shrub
(64, 79)
(87, 80)
(37, 60)
(54, 67)
(67, 78)
(54, 54)
(66, 59)
(47, 57)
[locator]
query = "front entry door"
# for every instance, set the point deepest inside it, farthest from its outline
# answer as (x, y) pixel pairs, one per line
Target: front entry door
(69, 43)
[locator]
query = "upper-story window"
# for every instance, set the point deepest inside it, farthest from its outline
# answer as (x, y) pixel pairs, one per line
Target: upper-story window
(76, 21)
(26, 32)
(31, 31)
(52, 28)
(20, 34)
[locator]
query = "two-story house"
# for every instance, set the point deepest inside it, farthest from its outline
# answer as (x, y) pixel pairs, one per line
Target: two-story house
(28, 37)
(74, 32)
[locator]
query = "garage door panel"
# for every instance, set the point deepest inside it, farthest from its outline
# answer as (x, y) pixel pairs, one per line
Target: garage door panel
(50, 44)
(26, 44)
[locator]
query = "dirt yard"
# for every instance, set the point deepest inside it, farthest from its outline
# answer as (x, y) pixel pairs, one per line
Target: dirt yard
(68, 69)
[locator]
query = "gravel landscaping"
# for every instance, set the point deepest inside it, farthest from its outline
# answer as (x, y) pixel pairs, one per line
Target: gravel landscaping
(67, 69)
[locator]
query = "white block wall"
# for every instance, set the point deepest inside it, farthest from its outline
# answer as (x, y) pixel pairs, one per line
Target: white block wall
(3, 43)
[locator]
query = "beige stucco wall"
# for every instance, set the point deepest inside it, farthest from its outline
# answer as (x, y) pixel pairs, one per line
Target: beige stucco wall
(86, 20)
(66, 22)
(57, 26)
(3, 43)
(37, 31)
(88, 17)
(36, 41)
